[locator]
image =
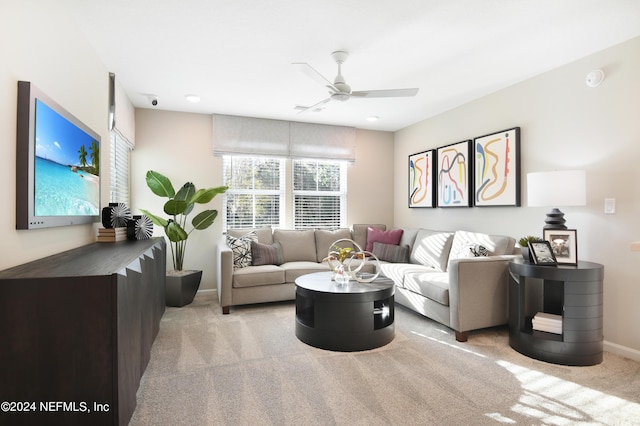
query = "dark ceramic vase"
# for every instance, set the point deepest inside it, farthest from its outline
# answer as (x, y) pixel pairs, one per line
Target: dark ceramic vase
(182, 287)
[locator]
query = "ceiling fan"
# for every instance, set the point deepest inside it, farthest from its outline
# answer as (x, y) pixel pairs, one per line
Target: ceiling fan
(339, 90)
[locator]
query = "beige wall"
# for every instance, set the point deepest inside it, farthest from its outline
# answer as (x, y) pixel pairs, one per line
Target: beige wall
(565, 125)
(42, 45)
(179, 145)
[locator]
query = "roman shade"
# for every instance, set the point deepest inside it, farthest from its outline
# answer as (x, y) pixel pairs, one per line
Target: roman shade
(121, 112)
(233, 135)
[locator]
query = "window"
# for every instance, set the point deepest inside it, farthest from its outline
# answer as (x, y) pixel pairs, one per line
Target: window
(319, 194)
(256, 192)
(119, 168)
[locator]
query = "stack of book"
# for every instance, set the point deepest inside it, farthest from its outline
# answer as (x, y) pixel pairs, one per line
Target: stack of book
(550, 323)
(110, 235)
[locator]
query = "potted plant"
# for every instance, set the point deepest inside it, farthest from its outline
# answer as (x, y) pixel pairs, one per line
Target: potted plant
(181, 285)
(524, 246)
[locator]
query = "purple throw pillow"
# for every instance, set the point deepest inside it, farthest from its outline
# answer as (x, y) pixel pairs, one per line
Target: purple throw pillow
(374, 235)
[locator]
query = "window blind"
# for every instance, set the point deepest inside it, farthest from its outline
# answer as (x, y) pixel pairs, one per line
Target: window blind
(319, 194)
(119, 167)
(256, 192)
(122, 141)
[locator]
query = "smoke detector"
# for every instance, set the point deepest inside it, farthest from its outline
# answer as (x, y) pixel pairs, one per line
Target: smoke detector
(595, 78)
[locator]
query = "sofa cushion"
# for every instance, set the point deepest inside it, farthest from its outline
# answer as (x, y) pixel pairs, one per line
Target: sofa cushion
(387, 237)
(408, 237)
(495, 244)
(293, 270)
(432, 248)
(391, 253)
(264, 234)
(325, 238)
(253, 276)
(398, 271)
(266, 254)
(359, 233)
(432, 285)
(241, 247)
(297, 245)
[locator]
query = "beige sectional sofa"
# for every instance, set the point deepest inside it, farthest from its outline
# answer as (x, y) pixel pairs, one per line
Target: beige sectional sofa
(459, 279)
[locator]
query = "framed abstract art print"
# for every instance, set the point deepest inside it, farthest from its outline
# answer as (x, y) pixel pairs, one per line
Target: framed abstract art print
(421, 179)
(497, 168)
(454, 175)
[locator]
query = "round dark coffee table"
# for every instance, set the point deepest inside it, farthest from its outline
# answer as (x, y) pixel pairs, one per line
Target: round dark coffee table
(344, 317)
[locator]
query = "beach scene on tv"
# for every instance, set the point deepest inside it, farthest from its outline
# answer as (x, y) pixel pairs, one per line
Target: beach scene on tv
(67, 167)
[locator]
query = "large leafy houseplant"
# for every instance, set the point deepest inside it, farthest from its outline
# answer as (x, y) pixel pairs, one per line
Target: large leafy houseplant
(179, 206)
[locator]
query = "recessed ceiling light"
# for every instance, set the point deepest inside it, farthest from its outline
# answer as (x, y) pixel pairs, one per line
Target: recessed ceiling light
(192, 98)
(372, 118)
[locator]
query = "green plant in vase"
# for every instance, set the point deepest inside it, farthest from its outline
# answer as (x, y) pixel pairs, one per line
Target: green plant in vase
(181, 287)
(524, 245)
(179, 206)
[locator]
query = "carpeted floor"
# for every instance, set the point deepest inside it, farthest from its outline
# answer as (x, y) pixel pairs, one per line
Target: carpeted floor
(248, 368)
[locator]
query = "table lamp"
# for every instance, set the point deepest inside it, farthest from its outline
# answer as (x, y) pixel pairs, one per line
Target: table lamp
(558, 188)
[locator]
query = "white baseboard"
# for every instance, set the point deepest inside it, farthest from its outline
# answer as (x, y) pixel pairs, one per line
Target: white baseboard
(622, 350)
(208, 291)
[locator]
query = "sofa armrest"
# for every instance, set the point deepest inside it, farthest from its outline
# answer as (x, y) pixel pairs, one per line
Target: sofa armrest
(478, 292)
(224, 259)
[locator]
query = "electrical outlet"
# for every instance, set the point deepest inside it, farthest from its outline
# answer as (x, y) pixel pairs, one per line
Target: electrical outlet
(609, 205)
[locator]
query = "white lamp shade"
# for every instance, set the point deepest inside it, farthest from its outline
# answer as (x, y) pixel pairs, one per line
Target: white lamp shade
(557, 188)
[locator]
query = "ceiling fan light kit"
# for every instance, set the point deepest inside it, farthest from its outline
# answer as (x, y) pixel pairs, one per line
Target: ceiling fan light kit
(339, 90)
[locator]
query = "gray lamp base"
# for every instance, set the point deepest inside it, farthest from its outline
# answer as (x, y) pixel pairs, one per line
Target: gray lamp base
(555, 220)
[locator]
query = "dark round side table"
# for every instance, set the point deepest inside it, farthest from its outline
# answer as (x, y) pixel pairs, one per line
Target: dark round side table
(572, 292)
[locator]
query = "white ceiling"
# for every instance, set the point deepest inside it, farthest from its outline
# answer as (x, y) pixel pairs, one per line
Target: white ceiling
(237, 54)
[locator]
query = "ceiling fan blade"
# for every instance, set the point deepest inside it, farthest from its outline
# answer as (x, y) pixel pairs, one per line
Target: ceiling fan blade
(315, 75)
(312, 107)
(390, 93)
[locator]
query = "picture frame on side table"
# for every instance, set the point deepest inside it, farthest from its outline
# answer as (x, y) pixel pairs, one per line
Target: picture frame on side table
(542, 253)
(455, 170)
(422, 183)
(497, 169)
(564, 244)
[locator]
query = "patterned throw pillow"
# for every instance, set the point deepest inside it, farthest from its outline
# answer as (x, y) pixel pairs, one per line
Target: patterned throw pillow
(472, 250)
(241, 247)
(266, 254)
(391, 253)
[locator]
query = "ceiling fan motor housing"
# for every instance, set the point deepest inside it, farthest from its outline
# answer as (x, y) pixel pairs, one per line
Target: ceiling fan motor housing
(340, 96)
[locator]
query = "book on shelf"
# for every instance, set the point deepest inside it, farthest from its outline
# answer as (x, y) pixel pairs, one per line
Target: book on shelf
(111, 238)
(109, 235)
(112, 231)
(551, 323)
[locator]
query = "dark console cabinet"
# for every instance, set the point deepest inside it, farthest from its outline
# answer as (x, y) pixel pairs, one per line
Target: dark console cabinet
(572, 292)
(76, 331)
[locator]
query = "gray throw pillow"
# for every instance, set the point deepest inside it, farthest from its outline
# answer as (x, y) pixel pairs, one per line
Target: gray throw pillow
(391, 253)
(266, 254)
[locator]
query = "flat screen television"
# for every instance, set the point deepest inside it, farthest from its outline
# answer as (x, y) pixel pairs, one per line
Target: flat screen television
(57, 164)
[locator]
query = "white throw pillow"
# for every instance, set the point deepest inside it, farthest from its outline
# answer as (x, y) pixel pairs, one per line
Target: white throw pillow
(241, 247)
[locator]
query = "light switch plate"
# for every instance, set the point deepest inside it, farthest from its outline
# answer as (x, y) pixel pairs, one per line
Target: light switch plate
(635, 246)
(609, 205)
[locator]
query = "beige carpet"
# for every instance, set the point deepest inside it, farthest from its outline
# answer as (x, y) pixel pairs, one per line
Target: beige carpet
(248, 368)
